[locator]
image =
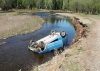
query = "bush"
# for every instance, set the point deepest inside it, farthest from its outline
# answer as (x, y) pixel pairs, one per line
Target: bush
(6, 8)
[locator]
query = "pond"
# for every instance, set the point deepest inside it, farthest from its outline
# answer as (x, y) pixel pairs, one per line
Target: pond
(15, 54)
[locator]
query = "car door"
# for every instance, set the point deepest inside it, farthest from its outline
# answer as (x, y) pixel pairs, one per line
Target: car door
(54, 44)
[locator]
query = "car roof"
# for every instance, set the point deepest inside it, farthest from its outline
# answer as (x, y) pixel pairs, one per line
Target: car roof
(49, 38)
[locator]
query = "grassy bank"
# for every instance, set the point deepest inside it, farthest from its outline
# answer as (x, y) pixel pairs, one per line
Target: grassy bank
(18, 23)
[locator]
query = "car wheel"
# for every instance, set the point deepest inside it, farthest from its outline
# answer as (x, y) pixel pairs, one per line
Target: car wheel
(42, 45)
(63, 34)
(31, 41)
(52, 32)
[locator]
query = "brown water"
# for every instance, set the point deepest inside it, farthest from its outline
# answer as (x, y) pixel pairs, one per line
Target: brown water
(14, 55)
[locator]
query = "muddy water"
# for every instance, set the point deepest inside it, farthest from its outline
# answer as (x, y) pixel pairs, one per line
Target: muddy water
(14, 55)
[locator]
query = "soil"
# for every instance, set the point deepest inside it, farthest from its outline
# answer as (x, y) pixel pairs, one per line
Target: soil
(82, 55)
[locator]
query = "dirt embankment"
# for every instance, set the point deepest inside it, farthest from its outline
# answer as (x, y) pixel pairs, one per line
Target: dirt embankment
(80, 28)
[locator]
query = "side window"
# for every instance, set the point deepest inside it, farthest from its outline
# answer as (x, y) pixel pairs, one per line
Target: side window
(54, 40)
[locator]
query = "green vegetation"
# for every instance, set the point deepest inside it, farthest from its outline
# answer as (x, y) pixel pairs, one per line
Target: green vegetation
(17, 24)
(79, 50)
(88, 6)
(71, 66)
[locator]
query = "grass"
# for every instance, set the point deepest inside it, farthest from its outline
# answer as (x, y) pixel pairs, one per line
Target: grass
(79, 50)
(89, 15)
(74, 66)
(18, 24)
(36, 69)
(68, 55)
(95, 16)
(20, 30)
(71, 61)
(70, 66)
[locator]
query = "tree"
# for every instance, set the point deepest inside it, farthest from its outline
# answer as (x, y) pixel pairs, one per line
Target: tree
(6, 5)
(87, 6)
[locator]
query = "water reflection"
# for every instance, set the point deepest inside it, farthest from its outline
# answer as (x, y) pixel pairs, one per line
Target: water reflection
(52, 20)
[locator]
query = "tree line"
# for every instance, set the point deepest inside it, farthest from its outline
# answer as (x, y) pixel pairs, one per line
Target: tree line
(87, 6)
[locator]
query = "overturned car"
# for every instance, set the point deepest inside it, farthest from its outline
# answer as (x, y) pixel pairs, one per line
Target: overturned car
(53, 42)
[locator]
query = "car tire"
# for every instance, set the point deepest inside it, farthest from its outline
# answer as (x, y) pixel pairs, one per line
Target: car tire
(42, 45)
(52, 32)
(63, 34)
(30, 41)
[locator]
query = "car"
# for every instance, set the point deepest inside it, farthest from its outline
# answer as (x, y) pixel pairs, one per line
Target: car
(53, 42)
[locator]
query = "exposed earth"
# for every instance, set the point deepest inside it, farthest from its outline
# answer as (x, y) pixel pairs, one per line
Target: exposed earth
(83, 55)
